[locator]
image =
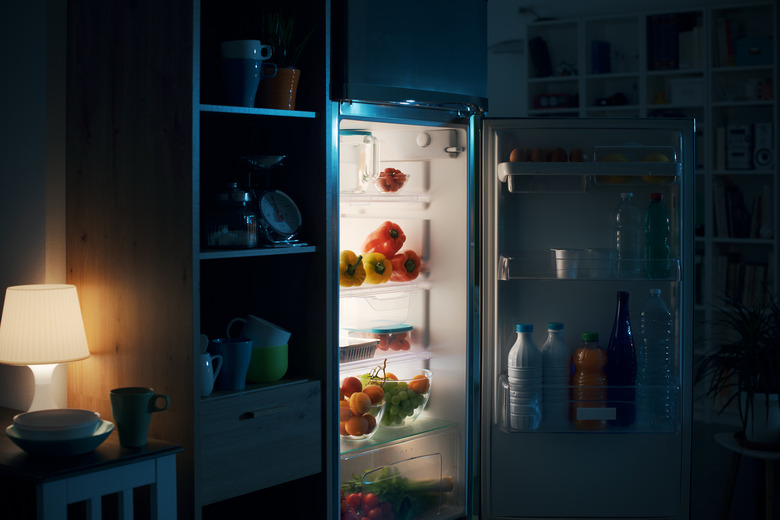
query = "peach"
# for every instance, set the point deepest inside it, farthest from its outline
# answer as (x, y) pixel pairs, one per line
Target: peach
(350, 385)
(357, 425)
(375, 393)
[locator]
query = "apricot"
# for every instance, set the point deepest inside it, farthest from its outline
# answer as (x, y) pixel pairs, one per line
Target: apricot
(350, 385)
(392, 376)
(419, 384)
(359, 403)
(343, 428)
(357, 425)
(375, 393)
(371, 421)
(344, 412)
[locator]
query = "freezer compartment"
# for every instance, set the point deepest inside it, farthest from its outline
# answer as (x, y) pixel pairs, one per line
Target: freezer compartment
(417, 474)
(575, 264)
(588, 409)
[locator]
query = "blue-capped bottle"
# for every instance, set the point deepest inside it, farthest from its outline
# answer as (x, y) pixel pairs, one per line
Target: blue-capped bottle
(621, 365)
(524, 374)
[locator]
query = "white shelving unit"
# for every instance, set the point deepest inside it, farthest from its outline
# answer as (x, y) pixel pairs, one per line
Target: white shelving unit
(715, 64)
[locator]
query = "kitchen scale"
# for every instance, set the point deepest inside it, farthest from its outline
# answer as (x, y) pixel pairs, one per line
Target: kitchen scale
(279, 218)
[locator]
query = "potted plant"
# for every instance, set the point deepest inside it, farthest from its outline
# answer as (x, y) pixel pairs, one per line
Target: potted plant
(280, 32)
(744, 365)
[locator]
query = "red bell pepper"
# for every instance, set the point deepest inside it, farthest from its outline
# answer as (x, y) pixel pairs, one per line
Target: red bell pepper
(406, 266)
(386, 239)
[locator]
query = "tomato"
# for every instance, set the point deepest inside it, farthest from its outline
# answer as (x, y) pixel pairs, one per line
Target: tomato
(354, 500)
(349, 515)
(370, 501)
(375, 514)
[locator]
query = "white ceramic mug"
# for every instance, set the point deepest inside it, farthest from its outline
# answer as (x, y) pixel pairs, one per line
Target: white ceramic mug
(262, 333)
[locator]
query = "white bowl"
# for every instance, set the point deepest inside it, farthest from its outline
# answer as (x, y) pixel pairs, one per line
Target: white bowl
(57, 424)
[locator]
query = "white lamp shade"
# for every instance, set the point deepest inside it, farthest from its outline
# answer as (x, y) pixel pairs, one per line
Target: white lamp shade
(42, 324)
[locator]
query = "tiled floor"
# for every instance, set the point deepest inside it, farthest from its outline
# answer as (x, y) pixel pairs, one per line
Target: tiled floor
(711, 464)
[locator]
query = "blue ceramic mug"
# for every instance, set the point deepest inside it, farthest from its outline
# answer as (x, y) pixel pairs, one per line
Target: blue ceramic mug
(236, 354)
(243, 68)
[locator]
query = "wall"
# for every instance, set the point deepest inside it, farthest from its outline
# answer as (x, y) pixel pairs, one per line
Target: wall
(32, 159)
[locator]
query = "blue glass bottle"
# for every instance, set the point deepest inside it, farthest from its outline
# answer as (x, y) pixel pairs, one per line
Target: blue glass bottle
(621, 365)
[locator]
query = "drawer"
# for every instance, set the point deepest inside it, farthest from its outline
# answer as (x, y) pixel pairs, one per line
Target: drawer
(259, 438)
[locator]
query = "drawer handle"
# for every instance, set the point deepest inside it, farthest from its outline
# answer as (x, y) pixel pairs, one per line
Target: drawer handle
(259, 413)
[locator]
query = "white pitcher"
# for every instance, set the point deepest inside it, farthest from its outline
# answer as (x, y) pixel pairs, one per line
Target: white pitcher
(209, 368)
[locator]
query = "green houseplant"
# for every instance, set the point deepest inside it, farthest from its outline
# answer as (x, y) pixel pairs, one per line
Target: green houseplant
(744, 364)
(280, 32)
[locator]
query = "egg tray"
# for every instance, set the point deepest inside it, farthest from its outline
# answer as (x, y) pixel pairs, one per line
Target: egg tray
(357, 351)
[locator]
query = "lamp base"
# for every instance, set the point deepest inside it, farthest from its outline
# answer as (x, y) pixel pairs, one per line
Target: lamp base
(50, 387)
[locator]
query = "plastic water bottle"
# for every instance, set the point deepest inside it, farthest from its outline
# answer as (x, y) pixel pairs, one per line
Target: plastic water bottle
(656, 390)
(621, 364)
(657, 250)
(556, 375)
(589, 384)
(524, 374)
(628, 237)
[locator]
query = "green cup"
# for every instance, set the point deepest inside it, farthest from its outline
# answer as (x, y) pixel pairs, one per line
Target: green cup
(132, 408)
(267, 364)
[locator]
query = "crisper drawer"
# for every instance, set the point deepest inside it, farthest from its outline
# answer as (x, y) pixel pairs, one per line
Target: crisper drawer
(259, 438)
(419, 475)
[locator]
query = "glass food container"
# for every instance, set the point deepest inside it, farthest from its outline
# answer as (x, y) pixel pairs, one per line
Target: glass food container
(359, 160)
(232, 221)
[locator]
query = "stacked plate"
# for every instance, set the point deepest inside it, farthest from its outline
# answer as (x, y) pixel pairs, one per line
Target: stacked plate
(62, 431)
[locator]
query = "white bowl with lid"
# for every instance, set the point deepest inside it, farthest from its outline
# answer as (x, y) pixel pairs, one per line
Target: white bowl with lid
(57, 424)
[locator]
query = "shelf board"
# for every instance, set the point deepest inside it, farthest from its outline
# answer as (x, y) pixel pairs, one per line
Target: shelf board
(554, 79)
(260, 251)
(223, 109)
(742, 104)
(254, 387)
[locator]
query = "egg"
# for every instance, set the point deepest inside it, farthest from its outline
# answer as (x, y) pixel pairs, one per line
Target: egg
(577, 155)
(558, 155)
(519, 155)
(538, 155)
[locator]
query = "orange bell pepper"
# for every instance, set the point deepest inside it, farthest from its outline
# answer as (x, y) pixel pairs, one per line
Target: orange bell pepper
(406, 266)
(386, 239)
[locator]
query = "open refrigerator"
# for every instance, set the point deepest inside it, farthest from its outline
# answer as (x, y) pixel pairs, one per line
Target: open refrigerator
(483, 228)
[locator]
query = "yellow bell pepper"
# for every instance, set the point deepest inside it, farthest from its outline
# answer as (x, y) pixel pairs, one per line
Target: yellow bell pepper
(351, 270)
(378, 268)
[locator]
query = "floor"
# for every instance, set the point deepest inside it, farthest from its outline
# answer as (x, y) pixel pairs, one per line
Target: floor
(711, 464)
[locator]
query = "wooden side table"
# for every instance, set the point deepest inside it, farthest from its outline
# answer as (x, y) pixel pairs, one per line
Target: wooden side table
(43, 487)
(727, 440)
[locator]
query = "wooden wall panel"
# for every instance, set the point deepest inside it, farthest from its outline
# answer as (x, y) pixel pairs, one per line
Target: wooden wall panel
(129, 207)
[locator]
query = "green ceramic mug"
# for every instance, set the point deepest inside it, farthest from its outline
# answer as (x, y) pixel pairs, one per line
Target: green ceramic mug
(267, 364)
(132, 408)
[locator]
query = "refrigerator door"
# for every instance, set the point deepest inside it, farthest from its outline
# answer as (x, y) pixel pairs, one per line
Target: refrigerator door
(559, 192)
(432, 52)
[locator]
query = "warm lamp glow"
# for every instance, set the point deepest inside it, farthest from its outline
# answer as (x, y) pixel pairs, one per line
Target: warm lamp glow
(42, 325)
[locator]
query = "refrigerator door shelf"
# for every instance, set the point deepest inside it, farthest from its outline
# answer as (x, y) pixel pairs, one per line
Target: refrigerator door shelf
(563, 177)
(541, 266)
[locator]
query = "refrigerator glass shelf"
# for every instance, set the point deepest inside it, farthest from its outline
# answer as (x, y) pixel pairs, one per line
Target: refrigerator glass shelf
(385, 437)
(366, 290)
(541, 266)
(367, 199)
(394, 359)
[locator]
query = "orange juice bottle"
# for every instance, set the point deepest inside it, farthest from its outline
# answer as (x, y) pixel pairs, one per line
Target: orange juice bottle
(589, 384)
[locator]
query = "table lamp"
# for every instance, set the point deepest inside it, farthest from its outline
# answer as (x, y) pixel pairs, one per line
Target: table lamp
(41, 327)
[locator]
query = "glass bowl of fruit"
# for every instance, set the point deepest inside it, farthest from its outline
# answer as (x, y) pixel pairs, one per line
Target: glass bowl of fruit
(406, 396)
(390, 180)
(361, 408)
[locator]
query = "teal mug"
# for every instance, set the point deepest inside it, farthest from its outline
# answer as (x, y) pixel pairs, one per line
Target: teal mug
(132, 408)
